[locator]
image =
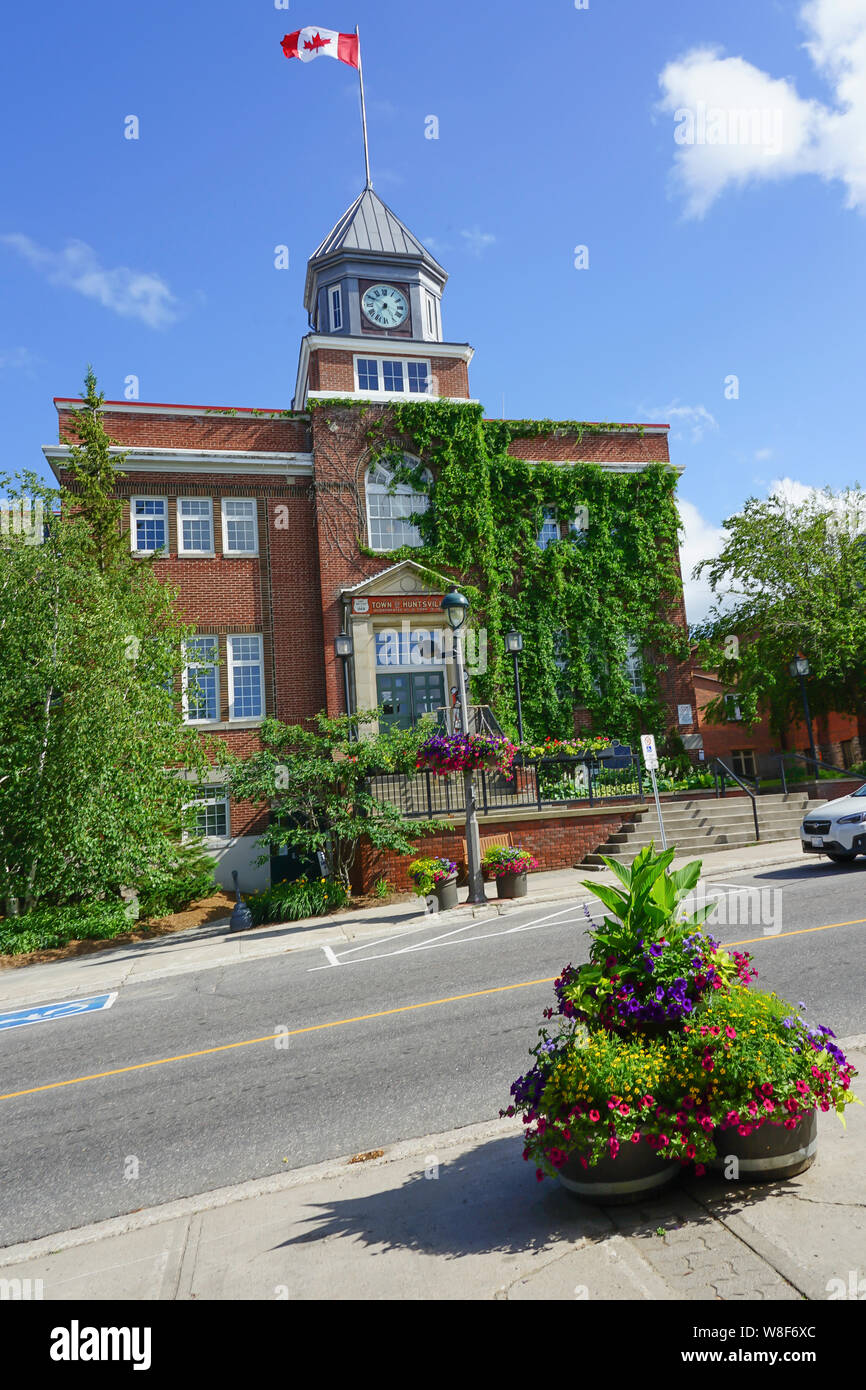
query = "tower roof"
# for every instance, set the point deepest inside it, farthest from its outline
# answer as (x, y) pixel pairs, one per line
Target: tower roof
(370, 229)
(369, 226)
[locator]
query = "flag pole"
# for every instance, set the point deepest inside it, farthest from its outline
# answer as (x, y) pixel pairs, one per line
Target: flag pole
(363, 108)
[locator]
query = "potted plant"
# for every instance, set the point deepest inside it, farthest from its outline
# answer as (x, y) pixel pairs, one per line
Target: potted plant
(665, 1057)
(437, 876)
(509, 866)
(444, 753)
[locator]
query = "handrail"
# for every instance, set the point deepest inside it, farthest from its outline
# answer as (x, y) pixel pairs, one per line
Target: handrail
(717, 762)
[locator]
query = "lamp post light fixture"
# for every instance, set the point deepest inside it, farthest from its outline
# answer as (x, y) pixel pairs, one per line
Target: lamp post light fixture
(800, 668)
(456, 607)
(344, 646)
(514, 644)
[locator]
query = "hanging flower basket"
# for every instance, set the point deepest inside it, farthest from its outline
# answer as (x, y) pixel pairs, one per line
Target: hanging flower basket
(444, 753)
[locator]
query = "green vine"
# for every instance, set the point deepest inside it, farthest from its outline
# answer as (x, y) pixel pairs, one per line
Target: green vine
(578, 602)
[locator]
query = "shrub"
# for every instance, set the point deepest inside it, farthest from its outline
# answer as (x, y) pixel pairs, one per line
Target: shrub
(162, 891)
(50, 927)
(292, 901)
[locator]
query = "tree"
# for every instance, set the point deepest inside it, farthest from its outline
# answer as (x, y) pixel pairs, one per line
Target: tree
(316, 781)
(790, 578)
(93, 734)
(94, 475)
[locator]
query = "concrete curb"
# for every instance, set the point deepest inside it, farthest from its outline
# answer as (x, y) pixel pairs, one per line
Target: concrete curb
(184, 1207)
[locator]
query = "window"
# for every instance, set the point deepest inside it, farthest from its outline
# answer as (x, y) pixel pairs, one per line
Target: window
(579, 524)
(417, 647)
(194, 526)
(419, 378)
(392, 374)
(732, 707)
(847, 749)
(431, 316)
(336, 309)
(634, 669)
(240, 528)
(201, 691)
(743, 761)
(148, 524)
(212, 813)
(368, 374)
(549, 529)
(389, 507)
(246, 678)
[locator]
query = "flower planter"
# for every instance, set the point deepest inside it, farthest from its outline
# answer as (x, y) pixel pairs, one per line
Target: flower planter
(511, 886)
(636, 1173)
(770, 1153)
(446, 894)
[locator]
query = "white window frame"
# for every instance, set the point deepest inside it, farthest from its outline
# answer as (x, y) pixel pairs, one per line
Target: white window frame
(548, 518)
(335, 302)
(431, 315)
(133, 528)
(633, 668)
(239, 554)
(181, 548)
(380, 488)
(404, 363)
(230, 666)
(203, 798)
(187, 663)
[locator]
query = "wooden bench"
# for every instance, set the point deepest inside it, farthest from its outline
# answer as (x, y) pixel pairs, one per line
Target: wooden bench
(489, 842)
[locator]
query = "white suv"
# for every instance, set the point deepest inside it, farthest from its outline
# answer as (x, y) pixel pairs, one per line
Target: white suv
(838, 828)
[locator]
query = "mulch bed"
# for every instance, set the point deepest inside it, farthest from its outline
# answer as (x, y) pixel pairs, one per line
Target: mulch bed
(200, 914)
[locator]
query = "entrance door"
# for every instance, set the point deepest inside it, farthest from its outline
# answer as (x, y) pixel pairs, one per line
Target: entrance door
(406, 697)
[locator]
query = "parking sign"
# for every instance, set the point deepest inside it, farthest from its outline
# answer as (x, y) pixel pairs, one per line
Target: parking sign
(648, 748)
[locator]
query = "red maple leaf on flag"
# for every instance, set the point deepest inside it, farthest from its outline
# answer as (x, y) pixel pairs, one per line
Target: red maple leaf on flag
(317, 42)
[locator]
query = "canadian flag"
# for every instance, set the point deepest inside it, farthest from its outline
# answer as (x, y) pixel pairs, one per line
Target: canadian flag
(310, 43)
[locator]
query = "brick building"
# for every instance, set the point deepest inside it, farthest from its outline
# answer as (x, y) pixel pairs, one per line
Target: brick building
(259, 513)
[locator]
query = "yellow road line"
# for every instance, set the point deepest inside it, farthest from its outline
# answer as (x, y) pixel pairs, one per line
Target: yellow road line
(801, 931)
(364, 1018)
(270, 1037)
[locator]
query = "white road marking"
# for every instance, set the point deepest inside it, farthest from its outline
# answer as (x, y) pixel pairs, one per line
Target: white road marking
(331, 958)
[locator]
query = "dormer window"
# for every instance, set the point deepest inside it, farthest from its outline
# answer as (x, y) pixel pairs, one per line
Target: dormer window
(336, 309)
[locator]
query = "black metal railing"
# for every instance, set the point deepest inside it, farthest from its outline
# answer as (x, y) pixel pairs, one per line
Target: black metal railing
(721, 771)
(819, 764)
(537, 785)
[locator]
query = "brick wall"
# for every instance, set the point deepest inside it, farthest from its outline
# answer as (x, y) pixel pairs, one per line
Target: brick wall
(619, 446)
(558, 839)
(205, 431)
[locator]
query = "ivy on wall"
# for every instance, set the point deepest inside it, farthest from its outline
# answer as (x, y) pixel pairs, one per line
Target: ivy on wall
(578, 602)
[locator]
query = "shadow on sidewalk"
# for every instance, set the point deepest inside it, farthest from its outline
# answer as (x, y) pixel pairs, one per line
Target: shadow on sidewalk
(485, 1201)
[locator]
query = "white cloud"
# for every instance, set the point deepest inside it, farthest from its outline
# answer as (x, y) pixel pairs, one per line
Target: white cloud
(476, 241)
(736, 124)
(17, 357)
(701, 542)
(131, 293)
(695, 417)
(762, 454)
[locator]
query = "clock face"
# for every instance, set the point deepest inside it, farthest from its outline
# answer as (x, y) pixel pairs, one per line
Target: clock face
(385, 305)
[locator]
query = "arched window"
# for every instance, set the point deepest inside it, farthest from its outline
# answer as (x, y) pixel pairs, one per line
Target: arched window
(389, 506)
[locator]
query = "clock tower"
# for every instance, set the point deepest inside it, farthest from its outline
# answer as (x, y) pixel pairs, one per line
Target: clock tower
(373, 294)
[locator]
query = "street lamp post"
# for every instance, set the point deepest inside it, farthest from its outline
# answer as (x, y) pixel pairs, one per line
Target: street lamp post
(800, 669)
(456, 608)
(344, 646)
(514, 644)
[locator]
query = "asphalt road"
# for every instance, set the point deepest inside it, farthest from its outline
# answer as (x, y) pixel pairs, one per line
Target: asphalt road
(394, 1048)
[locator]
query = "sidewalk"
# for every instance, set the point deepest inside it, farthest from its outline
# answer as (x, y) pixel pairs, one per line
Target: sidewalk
(203, 948)
(460, 1216)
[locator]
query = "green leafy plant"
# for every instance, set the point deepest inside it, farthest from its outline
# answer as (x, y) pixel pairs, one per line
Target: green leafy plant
(291, 901)
(47, 928)
(383, 888)
(429, 874)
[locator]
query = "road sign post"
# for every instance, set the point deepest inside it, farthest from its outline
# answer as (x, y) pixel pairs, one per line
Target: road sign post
(651, 762)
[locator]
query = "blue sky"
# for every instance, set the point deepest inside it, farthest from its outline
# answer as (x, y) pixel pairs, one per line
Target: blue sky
(557, 129)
